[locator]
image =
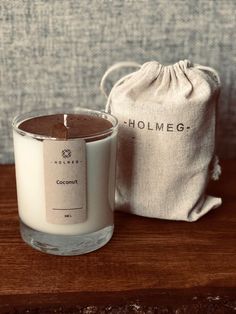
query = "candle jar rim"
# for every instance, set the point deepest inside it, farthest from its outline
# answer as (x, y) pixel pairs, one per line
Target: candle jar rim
(17, 120)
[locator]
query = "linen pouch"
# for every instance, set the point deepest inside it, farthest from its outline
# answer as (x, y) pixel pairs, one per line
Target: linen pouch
(166, 142)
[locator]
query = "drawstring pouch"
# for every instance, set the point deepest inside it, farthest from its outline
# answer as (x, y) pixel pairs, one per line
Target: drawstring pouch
(166, 142)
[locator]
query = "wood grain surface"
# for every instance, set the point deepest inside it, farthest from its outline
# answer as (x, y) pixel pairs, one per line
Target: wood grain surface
(149, 265)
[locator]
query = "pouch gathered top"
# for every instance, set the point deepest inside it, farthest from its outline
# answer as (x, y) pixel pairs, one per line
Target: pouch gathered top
(166, 142)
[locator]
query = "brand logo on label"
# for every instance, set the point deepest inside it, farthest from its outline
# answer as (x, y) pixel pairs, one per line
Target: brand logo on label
(66, 153)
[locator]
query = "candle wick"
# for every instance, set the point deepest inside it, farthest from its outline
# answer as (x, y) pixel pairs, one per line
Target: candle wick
(65, 121)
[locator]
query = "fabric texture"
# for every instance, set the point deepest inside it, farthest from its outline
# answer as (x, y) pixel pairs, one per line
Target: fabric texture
(53, 53)
(166, 142)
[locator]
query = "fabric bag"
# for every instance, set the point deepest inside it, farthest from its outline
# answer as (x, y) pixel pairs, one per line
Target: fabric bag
(166, 142)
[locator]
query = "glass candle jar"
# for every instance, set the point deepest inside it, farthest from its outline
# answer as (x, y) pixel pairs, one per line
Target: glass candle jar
(65, 175)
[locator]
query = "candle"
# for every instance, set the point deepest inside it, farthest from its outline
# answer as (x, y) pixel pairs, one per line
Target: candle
(65, 175)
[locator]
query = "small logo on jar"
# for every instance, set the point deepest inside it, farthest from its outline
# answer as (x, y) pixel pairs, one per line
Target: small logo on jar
(66, 153)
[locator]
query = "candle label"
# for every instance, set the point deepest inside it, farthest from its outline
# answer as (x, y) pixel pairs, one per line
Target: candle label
(65, 181)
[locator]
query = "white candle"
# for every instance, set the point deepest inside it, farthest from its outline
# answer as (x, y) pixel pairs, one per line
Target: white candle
(35, 182)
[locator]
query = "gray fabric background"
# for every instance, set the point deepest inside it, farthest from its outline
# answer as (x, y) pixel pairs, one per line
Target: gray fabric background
(54, 52)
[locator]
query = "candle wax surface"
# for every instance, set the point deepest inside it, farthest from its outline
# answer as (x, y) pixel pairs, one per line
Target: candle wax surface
(66, 126)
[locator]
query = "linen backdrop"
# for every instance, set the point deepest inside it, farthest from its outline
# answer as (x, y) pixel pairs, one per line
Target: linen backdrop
(53, 53)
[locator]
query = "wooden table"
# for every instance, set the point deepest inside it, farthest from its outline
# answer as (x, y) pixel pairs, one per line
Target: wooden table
(149, 265)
